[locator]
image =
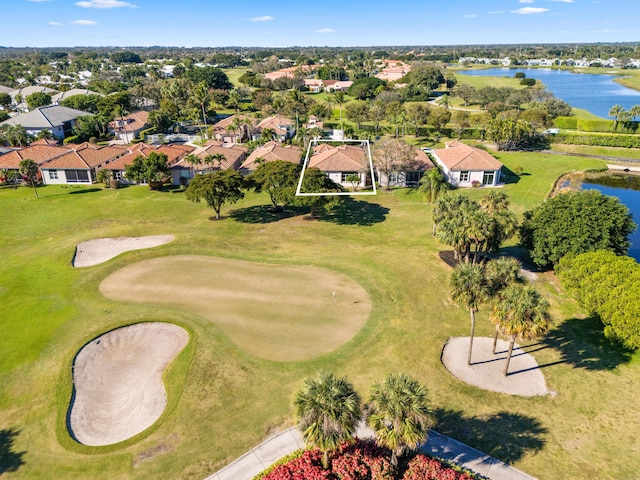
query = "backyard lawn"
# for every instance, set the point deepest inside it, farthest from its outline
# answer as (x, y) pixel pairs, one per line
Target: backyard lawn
(223, 398)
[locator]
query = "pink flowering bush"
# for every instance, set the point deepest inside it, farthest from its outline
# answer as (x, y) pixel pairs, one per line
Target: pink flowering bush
(426, 468)
(363, 460)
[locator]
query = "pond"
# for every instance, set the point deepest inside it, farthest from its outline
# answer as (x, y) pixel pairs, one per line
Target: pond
(627, 189)
(596, 93)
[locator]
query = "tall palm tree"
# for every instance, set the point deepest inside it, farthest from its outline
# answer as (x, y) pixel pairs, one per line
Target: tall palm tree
(521, 312)
(215, 158)
(397, 411)
(202, 96)
(468, 287)
(615, 112)
(340, 99)
(328, 410)
(193, 161)
(500, 273)
(445, 207)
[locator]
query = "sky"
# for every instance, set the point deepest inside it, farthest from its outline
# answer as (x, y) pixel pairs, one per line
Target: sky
(351, 23)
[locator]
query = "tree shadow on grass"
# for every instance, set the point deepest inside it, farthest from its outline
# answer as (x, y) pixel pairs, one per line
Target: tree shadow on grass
(506, 436)
(265, 213)
(10, 460)
(85, 190)
(582, 344)
(509, 176)
(357, 212)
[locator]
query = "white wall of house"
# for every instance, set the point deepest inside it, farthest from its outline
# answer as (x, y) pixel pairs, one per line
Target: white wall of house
(340, 178)
(466, 178)
(57, 176)
(401, 179)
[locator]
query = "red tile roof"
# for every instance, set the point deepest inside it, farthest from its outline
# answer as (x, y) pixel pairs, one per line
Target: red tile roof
(38, 153)
(345, 158)
(271, 151)
(459, 156)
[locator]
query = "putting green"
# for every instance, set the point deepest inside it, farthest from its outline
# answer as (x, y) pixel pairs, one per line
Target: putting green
(276, 312)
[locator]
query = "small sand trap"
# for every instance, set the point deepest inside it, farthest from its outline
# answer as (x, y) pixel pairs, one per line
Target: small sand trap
(95, 252)
(485, 371)
(117, 379)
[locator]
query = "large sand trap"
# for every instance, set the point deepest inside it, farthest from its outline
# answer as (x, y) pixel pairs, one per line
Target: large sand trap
(94, 252)
(117, 379)
(485, 371)
(277, 312)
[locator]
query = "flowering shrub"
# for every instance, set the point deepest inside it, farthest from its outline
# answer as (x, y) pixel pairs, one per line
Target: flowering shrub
(307, 467)
(363, 460)
(476, 184)
(426, 468)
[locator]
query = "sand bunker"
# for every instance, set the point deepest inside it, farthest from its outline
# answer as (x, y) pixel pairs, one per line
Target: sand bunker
(117, 379)
(277, 312)
(94, 252)
(485, 371)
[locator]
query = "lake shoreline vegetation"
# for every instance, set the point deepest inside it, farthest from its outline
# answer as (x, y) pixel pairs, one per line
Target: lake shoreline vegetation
(223, 399)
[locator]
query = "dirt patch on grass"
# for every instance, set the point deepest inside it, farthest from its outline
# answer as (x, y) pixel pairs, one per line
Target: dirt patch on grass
(117, 379)
(276, 312)
(485, 371)
(95, 252)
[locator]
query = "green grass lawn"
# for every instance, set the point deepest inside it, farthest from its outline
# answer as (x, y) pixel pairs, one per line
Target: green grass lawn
(235, 73)
(224, 400)
(481, 82)
(605, 151)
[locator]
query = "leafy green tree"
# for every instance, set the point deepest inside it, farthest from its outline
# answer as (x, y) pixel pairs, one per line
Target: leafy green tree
(29, 170)
(468, 286)
(152, 169)
(521, 312)
(318, 184)
(397, 411)
(574, 223)
(5, 99)
(125, 57)
(528, 82)
(38, 99)
(466, 92)
(426, 76)
(161, 120)
(509, 134)
(216, 189)
(14, 135)
(212, 77)
(366, 87)
(279, 179)
(104, 175)
(328, 410)
(90, 126)
(439, 117)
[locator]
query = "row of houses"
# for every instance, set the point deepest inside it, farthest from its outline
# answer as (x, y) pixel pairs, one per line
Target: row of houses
(19, 95)
(461, 164)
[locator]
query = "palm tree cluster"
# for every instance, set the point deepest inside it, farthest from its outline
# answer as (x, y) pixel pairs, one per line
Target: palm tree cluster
(473, 228)
(329, 409)
(519, 311)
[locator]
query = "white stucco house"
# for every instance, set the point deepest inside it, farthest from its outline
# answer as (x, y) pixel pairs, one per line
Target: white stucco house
(466, 166)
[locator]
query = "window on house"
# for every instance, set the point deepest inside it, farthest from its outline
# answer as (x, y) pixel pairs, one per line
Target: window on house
(393, 177)
(53, 175)
(346, 174)
(77, 176)
(464, 176)
(117, 174)
(412, 178)
(488, 177)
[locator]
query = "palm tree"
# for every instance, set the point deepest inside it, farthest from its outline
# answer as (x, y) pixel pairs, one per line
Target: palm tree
(432, 184)
(521, 312)
(615, 112)
(29, 170)
(328, 410)
(340, 99)
(217, 158)
(468, 287)
(201, 96)
(445, 207)
(501, 273)
(397, 411)
(193, 161)
(234, 100)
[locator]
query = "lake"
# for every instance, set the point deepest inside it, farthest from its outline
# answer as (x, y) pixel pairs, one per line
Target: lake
(596, 93)
(627, 189)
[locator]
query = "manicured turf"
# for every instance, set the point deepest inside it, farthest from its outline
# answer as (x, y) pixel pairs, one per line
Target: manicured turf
(276, 312)
(224, 400)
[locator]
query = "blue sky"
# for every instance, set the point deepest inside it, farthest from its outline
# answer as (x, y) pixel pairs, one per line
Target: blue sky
(188, 23)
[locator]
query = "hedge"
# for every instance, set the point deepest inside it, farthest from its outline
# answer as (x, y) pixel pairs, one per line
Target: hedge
(568, 123)
(595, 125)
(625, 141)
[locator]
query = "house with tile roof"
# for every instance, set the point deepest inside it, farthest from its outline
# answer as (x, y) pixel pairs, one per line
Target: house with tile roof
(37, 152)
(59, 97)
(233, 129)
(466, 166)
(282, 127)
(393, 70)
(270, 152)
(411, 174)
(213, 156)
(79, 164)
(18, 96)
(129, 126)
(340, 162)
(56, 119)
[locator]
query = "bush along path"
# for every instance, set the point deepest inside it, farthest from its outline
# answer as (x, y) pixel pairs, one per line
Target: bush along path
(286, 446)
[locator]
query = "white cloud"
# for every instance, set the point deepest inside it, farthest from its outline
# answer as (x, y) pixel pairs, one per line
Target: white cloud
(566, 1)
(530, 10)
(496, 12)
(264, 18)
(470, 15)
(55, 24)
(83, 22)
(104, 4)
(526, 1)
(325, 30)
(39, 1)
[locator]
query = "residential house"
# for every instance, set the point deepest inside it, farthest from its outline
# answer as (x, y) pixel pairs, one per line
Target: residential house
(56, 119)
(129, 126)
(466, 166)
(18, 96)
(314, 85)
(283, 128)
(59, 97)
(79, 164)
(39, 153)
(270, 152)
(341, 162)
(411, 174)
(289, 72)
(393, 70)
(337, 85)
(213, 156)
(233, 129)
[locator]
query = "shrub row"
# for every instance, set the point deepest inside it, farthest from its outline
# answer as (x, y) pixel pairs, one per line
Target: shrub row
(626, 141)
(363, 460)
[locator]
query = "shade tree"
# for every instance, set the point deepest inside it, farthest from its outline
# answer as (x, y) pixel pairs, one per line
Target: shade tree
(390, 156)
(216, 189)
(278, 179)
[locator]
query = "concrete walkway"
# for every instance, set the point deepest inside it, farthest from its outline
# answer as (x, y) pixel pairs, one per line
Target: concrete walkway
(438, 445)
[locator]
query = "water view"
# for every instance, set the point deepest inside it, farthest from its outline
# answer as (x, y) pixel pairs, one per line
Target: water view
(596, 93)
(627, 189)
